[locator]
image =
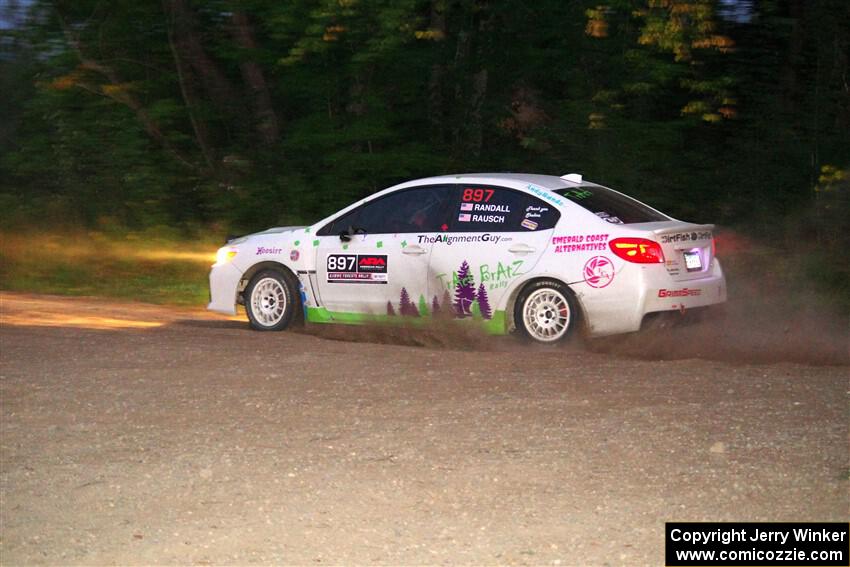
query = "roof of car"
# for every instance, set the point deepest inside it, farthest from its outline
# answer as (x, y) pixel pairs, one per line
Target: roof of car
(546, 181)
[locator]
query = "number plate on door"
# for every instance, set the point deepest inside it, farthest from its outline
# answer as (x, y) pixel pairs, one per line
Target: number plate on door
(357, 268)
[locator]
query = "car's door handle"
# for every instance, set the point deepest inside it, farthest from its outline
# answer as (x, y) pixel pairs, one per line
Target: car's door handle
(521, 249)
(413, 250)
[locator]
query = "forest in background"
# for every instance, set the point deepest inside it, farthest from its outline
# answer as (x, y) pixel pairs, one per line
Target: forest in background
(217, 116)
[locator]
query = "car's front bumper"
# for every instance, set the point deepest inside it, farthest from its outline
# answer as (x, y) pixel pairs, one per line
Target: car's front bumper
(224, 288)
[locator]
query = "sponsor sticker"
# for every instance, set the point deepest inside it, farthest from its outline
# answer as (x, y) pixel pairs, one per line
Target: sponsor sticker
(545, 194)
(608, 218)
(529, 224)
(580, 243)
(375, 264)
(357, 268)
(684, 292)
(578, 194)
(464, 238)
(262, 250)
(294, 255)
(685, 237)
(354, 277)
(535, 211)
(598, 272)
(672, 267)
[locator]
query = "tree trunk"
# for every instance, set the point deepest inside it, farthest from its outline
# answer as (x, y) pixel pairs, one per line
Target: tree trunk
(476, 101)
(794, 56)
(459, 66)
(191, 51)
(186, 80)
(438, 71)
(265, 119)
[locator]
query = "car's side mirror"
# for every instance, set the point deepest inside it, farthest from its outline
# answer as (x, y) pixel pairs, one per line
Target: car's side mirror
(346, 235)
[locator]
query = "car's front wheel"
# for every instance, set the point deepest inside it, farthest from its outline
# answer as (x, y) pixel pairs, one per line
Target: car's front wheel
(270, 301)
(545, 311)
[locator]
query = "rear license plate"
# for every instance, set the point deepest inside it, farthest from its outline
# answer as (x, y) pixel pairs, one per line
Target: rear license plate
(693, 262)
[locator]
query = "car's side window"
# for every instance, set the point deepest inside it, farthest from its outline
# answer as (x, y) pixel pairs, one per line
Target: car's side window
(611, 206)
(488, 208)
(339, 224)
(418, 209)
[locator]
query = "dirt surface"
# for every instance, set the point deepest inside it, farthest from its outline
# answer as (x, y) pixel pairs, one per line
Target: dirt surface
(135, 434)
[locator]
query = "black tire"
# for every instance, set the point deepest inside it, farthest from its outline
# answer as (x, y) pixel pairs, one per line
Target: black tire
(546, 312)
(271, 301)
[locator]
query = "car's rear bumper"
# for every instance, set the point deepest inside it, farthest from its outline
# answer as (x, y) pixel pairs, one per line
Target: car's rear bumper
(639, 290)
(224, 288)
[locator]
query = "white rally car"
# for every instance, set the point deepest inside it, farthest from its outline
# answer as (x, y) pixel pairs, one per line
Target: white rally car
(535, 254)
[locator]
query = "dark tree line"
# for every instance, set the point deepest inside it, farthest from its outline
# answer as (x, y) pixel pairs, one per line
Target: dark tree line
(249, 113)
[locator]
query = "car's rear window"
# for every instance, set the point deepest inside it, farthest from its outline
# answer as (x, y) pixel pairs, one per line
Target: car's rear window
(611, 206)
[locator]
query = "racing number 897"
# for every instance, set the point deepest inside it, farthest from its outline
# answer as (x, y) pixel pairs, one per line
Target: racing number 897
(341, 263)
(477, 195)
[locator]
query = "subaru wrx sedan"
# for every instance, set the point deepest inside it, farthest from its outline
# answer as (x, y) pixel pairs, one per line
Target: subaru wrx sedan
(537, 255)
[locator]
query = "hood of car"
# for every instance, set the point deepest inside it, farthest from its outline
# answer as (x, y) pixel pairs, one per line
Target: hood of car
(275, 230)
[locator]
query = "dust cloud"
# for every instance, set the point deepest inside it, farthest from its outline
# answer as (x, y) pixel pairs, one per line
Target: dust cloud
(773, 314)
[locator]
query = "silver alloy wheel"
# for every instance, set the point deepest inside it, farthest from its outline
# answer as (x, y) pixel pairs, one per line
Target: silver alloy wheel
(268, 301)
(546, 314)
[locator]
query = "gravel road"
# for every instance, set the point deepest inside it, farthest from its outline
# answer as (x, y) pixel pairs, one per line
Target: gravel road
(137, 434)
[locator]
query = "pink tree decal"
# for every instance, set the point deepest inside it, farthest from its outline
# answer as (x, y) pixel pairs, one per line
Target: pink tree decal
(446, 304)
(406, 308)
(484, 303)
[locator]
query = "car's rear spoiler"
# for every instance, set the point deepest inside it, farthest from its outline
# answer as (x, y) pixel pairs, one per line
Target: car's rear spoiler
(683, 227)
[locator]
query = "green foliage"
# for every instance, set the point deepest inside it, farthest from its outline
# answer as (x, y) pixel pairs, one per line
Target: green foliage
(152, 113)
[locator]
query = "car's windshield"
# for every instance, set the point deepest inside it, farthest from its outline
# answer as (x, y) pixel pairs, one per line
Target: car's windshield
(610, 205)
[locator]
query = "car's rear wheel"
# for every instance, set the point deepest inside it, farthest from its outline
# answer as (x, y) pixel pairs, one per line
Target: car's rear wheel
(270, 301)
(546, 312)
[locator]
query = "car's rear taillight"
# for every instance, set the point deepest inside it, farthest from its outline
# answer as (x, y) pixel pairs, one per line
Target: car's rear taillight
(637, 250)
